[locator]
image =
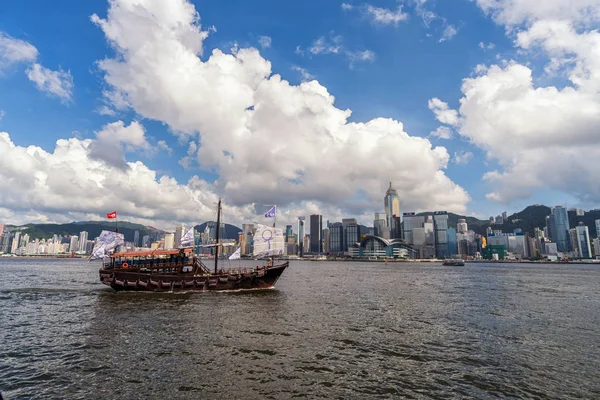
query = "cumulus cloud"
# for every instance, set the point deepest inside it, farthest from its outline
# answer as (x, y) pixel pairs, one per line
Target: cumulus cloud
(14, 51)
(333, 45)
(442, 112)
(306, 76)
(326, 46)
(462, 157)
(55, 83)
(269, 141)
(265, 42)
(442, 132)
(116, 138)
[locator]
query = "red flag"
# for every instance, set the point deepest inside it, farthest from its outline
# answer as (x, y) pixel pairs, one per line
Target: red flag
(111, 215)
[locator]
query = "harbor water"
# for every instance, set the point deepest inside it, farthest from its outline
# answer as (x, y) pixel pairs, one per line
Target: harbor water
(335, 330)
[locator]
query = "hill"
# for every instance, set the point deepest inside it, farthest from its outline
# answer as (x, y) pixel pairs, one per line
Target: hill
(46, 231)
(227, 232)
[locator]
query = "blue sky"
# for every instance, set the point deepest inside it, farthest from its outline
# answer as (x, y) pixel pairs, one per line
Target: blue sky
(408, 65)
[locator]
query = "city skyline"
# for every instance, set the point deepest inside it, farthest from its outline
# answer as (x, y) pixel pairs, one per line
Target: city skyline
(458, 103)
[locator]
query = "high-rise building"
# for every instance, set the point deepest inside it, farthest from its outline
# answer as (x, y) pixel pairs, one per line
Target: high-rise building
(411, 221)
(15, 242)
(1, 229)
(583, 239)
(136, 238)
(379, 224)
(83, 238)
(316, 231)
(301, 236)
(461, 226)
(169, 242)
(345, 223)
(392, 209)
(452, 249)
(326, 239)
(177, 237)
(597, 247)
(336, 237)
(504, 216)
(440, 222)
(145, 240)
(74, 243)
(558, 228)
(352, 235)
(597, 228)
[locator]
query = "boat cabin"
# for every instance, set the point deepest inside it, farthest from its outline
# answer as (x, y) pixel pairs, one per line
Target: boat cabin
(155, 261)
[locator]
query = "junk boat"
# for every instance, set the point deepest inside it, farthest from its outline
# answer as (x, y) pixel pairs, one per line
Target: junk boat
(181, 270)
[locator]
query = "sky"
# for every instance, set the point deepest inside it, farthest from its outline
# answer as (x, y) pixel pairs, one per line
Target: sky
(157, 109)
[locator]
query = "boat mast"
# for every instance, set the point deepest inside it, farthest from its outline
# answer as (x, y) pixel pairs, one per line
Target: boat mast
(218, 225)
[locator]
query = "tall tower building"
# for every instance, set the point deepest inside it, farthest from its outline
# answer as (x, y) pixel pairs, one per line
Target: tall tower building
(597, 229)
(74, 243)
(169, 241)
(178, 235)
(301, 236)
(316, 231)
(559, 228)
(136, 238)
(83, 238)
(583, 240)
(392, 209)
(461, 226)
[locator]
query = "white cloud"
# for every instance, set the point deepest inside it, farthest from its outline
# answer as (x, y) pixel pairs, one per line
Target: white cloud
(442, 112)
(105, 110)
(325, 46)
(385, 16)
(346, 6)
(462, 157)
(269, 141)
(265, 42)
(449, 32)
(542, 137)
(14, 51)
(115, 138)
(55, 83)
(442, 132)
(306, 76)
(489, 46)
(334, 45)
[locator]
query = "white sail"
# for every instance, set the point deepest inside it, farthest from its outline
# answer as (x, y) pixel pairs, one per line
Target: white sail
(105, 243)
(236, 255)
(188, 238)
(268, 241)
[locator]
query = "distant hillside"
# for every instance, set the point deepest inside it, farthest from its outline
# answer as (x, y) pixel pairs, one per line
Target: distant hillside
(589, 219)
(474, 224)
(228, 231)
(46, 231)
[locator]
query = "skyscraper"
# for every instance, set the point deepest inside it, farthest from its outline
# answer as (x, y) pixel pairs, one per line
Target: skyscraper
(83, 238)
(300, 236)
(597, 228)
(136, 239)
(336, 237)
(379, 224)
(316, 230)
(461, 226)
(559, 228)
(583, 239)
(392, 208)
(74, 243)
(177, 238)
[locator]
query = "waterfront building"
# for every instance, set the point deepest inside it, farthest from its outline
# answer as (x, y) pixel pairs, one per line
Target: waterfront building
(558, 228)
(345, 223)
(1, 229)
(74, 244)
(326, 239)
(83, 239)
(352, 235)
(597, 247)
(597, 228)
(410, 222)
(583, 240)
(301, 236)
(392, 211)
(177, 238)
(574, 242)
(336, 238)
(288, 232)
(452, 247)
(169, 242)
(379, 224)
(374, 246)
(316, 231)
(136, 238)
(440, 223)
(145, 241)
(550, 248)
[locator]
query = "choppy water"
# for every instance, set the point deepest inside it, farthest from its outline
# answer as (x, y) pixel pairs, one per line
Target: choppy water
(330, 330)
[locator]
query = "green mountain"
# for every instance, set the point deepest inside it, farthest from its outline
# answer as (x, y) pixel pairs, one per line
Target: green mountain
(46, 231)
(227, 231)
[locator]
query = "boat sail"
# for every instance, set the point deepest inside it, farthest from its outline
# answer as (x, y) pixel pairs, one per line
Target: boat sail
(268, 242)
(179, 269)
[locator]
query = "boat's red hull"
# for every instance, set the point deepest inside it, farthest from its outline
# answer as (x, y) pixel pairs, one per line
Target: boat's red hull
(120, 279)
